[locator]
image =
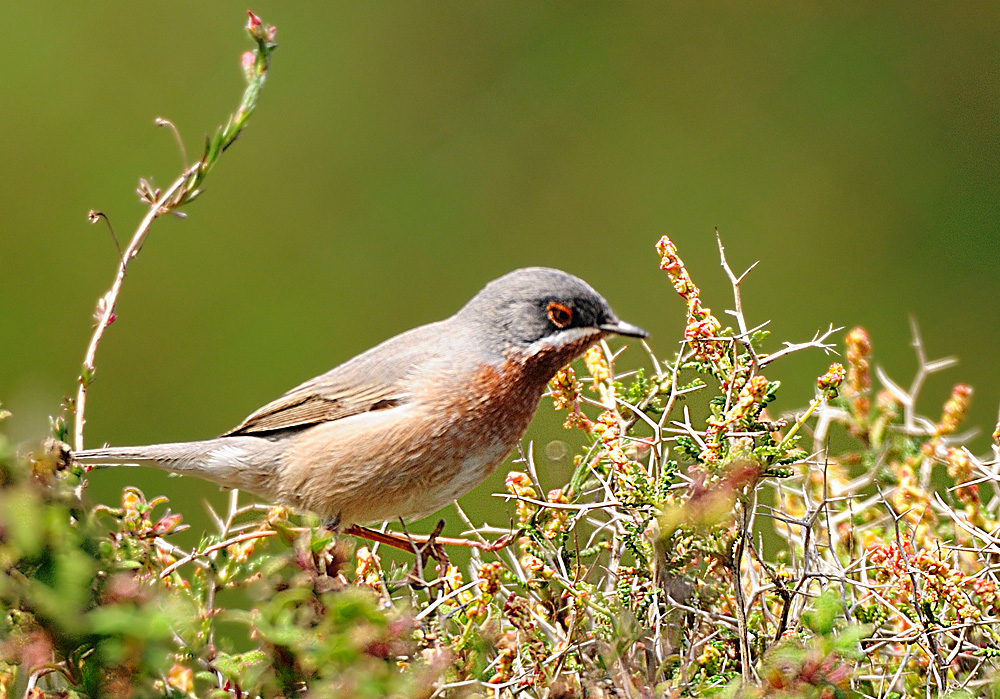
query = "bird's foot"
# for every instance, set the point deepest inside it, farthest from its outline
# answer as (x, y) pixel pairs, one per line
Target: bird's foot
(410, 542)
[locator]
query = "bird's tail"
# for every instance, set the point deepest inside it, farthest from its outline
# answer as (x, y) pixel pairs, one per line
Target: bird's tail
(158, 455)
(249, 463)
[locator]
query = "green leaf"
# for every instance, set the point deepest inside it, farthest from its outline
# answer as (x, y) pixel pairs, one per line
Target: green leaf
(234, 666)
(20, 519)
(848, 641)
(824, 611)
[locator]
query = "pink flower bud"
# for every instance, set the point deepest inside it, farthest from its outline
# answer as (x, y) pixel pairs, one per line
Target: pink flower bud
(247, 62)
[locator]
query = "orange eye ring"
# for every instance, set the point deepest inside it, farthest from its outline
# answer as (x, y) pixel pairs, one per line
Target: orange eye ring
(560, 314)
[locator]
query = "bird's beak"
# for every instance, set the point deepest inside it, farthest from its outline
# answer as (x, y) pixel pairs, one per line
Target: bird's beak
(620, 327)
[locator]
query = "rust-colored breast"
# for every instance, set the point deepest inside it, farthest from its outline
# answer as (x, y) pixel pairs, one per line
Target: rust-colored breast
(482, 423)
(412, 460)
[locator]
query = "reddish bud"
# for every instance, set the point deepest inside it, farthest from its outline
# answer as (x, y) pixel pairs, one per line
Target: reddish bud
(247, 62)
(254, 21)
(167, 524)
(831, 380)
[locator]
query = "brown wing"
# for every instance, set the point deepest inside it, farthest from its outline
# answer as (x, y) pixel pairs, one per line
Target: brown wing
(302, 407)
(374, 380)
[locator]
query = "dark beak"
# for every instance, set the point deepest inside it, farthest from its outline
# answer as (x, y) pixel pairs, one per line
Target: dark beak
(620, 327)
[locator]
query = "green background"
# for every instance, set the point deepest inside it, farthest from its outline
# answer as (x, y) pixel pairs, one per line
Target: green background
(404, 153)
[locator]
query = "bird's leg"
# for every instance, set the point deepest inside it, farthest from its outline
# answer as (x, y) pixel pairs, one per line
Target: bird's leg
(431, 549)
(434, 549)
(417, 544)
(405, 543)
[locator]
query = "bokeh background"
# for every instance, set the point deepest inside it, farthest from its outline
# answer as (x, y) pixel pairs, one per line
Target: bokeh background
(404, 153)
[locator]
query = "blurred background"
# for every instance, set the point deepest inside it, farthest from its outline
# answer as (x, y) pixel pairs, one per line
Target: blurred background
(405, 153)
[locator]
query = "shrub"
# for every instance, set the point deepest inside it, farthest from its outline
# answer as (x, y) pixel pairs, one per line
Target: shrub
(701, 546)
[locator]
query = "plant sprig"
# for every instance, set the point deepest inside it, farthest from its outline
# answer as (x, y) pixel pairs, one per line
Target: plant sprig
(185, 189)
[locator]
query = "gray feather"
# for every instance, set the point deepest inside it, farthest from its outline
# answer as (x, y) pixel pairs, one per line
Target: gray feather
(248, 463)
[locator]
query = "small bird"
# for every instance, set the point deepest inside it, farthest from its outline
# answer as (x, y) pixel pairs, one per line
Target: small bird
(407, 427)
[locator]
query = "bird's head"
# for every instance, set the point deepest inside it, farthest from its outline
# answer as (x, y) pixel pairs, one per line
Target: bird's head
(541, 312)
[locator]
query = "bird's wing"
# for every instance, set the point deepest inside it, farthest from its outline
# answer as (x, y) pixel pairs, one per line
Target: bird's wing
(314, 402)
(378, 379)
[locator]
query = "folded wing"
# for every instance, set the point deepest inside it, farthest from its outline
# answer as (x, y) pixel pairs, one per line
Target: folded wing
(376, 380)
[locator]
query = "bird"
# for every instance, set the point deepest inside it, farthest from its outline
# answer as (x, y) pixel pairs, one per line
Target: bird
(405, 428)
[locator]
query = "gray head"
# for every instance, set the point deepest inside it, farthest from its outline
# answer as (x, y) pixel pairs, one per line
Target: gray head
(538, 309)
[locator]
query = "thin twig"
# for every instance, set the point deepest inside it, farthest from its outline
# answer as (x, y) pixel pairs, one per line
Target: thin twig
(183, 190)
(245, 536)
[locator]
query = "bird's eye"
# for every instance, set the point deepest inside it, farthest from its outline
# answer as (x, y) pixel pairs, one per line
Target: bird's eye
(560, 315)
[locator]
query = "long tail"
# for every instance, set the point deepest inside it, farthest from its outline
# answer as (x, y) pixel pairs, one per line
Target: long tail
(249, 463)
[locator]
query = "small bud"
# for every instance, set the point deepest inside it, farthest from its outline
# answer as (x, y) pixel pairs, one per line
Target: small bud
(556, 495)
(859, 350)
(518, 483)
(954, 409)
(610, 431)
(597, 366)
(87, 375)
(167, 524)
(147, 192)
(830, 382)
(959, 464)
(131, 500)
(668, 252)
(671, 262)
(102, 308)
(564, 387)
(489, 578)
(259, 31)
(181, 678)
(247, 62)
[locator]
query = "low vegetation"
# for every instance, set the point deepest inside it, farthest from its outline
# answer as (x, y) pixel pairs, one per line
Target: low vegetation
(702, 546)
